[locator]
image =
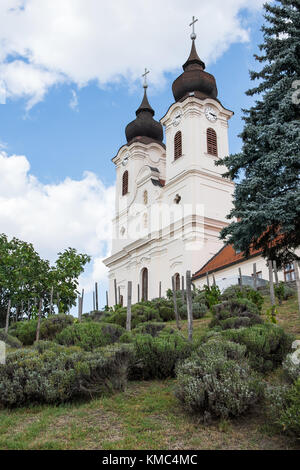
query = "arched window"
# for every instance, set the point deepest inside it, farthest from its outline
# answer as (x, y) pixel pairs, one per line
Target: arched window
(125, 183)
(212, 144)
(177, 281)
(145, 284)
(177, 145)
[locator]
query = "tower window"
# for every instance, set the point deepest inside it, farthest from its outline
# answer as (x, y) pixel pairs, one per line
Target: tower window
(125, 183)
(212, 144)
(145, 284)
(177, 145)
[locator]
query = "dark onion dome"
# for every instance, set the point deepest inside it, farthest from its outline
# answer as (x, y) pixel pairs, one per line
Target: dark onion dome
(144, 128)
(194, 79)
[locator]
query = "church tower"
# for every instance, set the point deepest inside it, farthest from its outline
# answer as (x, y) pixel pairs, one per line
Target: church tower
(171, 201)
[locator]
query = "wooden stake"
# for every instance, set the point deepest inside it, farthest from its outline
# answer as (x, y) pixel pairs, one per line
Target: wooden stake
(119, 295)
(94, 303)
(272, 293)
(81, 305)
(138, 286)
(207, 280)
(129, 295)
(106, 298)
(39, 321)
(254, 277)
(96, 296)
(78, 302)
(296, 266)
(51, 300)
(7, 316)
(175, 303)
(182, 289)
(159, 289)
(241, 278)
(58, 302)
(189, 305)
(116, 295)
(214, 280)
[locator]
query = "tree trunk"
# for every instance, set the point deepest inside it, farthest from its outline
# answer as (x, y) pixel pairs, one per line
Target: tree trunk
(7, 316)
(39, 321)
(129, 295)
(175, 303)
(275, 272)
(189, 305)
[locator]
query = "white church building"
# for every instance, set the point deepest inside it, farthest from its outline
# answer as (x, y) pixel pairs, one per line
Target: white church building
(171, 199)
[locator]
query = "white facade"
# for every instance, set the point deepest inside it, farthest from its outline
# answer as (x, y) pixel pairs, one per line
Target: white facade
(153, 231)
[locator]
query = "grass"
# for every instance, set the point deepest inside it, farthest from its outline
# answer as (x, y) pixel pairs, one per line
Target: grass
(146, 416)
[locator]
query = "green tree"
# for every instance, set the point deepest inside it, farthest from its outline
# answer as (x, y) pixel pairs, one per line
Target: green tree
(267, 195)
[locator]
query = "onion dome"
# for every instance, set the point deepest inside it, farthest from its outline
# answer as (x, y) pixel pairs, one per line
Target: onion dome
(144, 128)
(194, 79)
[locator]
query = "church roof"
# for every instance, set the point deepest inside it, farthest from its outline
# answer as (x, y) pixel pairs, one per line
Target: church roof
(224, 258)
(194, 79)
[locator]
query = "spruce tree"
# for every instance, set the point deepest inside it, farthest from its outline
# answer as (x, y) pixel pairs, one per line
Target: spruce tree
(267, 194)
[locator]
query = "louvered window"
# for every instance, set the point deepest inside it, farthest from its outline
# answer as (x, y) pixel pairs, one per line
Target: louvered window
(212, 144)
(177, 145)
(125, 183)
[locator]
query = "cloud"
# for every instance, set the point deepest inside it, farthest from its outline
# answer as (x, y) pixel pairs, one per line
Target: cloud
(48, 215)
(74, 101)
(76, 41)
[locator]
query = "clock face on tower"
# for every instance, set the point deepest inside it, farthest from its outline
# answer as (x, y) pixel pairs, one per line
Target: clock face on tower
(211, 114)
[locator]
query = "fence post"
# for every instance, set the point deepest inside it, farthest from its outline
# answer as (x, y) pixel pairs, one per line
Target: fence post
(138, 286)
(240, 278)
(160, 289)
(189, 305)
(296, 265)
(39, 321)
(214, 280)
(175, 303)
(207, 279)
(116, 295)
(254, 277)
(119, 295)
(7, 316)
(94, 303)
(272, 293)
(96, 296)
(81, 305)
(182, 289)
(107, 299)
(129, 295)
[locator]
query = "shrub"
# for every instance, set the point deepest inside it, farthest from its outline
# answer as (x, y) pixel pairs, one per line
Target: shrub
(149, 328)
(156, 357)
(89, 335)
(235, 313)
(25, 331)
(9, 340)
(283, 408)
(165, 308)
(213, 384)
(244, 292)
(60, 376)
(212, 295)
(283, 291)
(199, 310)
(53, 325)
(267, 345)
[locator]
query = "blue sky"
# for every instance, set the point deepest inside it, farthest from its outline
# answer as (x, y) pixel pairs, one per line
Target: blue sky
(62, 142)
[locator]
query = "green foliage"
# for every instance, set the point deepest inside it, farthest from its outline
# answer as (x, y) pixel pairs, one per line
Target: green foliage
(267, 345)
(283, 291)
(216, 381)
(89, 335)
(283, 408)
(60, 375)
(25, 331)
(9, 340)
(267, 196)
(149, 328)
(53, 325)
(244, 292)
(235, 313)
(156, 357)
(212, 295)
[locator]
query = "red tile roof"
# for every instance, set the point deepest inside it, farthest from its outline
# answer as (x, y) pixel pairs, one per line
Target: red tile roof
(224, 258)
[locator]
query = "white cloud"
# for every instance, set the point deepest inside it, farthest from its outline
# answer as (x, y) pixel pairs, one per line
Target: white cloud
(47, 42)
(56, 216)
(74, 101)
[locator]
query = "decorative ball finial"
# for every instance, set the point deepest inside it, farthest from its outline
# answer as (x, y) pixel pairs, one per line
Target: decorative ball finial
(193, 35)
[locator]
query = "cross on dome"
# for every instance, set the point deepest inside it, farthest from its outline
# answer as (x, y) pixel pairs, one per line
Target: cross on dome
(145, 78)
(193, 35)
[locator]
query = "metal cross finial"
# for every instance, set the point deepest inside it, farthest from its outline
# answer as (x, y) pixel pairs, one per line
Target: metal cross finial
(193, 35)
(145, 78)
